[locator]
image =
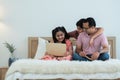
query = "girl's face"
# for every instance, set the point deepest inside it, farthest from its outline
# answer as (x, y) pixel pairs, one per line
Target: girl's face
(60, 36)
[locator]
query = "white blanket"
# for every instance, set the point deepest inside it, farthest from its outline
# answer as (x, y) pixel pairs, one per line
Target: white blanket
(64, 67)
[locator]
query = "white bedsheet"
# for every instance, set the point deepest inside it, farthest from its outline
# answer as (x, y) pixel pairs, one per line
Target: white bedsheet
(29, 76)
(61, 69)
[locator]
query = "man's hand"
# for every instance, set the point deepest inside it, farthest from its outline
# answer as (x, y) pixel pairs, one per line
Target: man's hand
(82, 53)
(95, 55)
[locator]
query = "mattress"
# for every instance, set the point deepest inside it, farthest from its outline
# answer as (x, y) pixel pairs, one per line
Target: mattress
(41, 69)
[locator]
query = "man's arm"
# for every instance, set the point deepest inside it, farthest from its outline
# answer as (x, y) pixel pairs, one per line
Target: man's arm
(78, 48)
(105, 49)
(80, 51)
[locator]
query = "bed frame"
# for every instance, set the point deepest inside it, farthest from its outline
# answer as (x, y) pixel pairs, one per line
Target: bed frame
(33, 43)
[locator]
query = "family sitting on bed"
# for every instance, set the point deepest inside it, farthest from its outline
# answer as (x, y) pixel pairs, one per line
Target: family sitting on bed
(91, 43)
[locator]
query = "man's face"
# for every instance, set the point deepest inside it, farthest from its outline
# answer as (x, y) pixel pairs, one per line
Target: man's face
(79, 29)
(89, 30)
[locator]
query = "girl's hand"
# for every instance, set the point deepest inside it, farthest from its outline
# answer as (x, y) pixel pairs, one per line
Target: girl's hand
(66, 54)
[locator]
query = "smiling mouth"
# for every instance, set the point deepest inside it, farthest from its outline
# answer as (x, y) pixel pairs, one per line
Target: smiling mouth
(60, 39)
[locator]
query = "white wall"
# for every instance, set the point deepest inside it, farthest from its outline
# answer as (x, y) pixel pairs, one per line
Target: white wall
(20, 19)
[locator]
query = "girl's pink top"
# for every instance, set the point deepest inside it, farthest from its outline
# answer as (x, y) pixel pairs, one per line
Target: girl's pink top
(68, 57)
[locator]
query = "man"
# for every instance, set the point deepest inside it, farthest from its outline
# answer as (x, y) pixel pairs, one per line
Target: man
(86, 52)
(76, 33)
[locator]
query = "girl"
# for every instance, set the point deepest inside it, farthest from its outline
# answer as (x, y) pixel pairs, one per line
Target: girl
(60, 35)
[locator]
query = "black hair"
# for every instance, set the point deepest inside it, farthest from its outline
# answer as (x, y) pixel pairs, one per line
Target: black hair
(59, 28)
(80, 23)
(91, 21)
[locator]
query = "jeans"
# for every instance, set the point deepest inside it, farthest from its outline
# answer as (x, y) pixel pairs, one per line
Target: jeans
(103, 57)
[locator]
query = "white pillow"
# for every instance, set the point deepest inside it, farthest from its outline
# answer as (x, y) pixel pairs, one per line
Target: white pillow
(41, 48)
(74, 47)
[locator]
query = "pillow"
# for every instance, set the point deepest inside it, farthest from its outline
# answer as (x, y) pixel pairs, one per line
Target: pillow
(74, 47)
(41, 48)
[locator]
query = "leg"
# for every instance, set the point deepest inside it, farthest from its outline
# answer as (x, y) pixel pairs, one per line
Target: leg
(104, 56)
(76, 56)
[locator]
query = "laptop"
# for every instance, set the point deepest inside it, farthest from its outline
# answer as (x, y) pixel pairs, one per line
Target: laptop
(56, 49)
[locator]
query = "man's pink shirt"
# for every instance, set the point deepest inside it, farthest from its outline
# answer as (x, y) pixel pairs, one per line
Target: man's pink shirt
(84, 39)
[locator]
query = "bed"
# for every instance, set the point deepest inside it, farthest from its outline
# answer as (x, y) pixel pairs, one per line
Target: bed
(34, 69)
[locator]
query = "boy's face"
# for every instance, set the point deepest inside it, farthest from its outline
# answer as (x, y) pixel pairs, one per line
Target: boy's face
(60, 36)
(79, 29)
(86, 25)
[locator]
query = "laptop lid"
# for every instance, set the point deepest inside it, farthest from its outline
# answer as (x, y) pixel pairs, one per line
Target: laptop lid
(56, 49)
